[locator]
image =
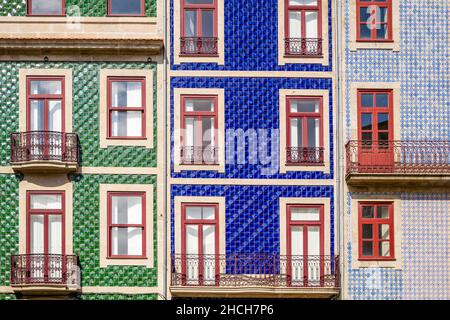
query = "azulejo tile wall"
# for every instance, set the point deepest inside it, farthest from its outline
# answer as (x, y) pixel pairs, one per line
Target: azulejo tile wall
(422, 68)
(91, 8)
(86, 84)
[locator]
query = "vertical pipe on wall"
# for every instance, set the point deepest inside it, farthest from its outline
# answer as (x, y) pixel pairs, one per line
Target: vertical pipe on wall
(164, 148)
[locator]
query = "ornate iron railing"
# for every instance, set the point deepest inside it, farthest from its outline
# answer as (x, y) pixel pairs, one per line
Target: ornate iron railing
(45, 269)
(199, 155)
(44, 145)
(400, 157)
(199, 45)
(255, 270)
(303, 46)
(295, 155)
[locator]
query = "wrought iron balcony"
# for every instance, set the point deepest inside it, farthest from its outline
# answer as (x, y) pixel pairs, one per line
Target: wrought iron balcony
(45, 273)
(199, 46)
(304, 156)
(303, 47)
(44, 150)
(256, 273)
(199, 155)
(421, 161)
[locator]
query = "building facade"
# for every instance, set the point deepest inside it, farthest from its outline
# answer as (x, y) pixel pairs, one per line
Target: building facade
(81, 154)
(395, 99)
(251, 163)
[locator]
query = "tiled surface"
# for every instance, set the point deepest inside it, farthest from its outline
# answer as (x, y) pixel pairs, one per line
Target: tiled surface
(252, 213)
(253, 103)
(117, 297)
(251, 39)
(85, 108)
(88, 8)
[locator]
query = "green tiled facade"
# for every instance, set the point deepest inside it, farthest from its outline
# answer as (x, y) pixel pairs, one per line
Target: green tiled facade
(118, 297)
(87, 8)
(85, 107)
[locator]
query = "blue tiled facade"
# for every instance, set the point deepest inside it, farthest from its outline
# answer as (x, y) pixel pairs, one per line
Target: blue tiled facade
(421, 66)
(252, 213)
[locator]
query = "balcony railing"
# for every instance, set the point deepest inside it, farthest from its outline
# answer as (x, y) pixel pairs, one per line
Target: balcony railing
(305, 156)
(45, 269)
(199, 155)
(303, 46)
(398, 157)
(255, 270)
(44, 146)
(199, 46)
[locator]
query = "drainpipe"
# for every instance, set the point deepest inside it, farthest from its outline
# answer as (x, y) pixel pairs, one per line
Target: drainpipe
(164, 148)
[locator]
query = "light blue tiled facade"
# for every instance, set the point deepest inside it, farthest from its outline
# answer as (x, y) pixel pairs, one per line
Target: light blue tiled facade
(421, 66)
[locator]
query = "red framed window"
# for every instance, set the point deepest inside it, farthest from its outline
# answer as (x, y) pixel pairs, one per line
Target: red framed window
(305, 244)
(45, 104)
(199, 125)
(46, 7)
(304, 130)
(374, 20)
(126, 7)
(200, 243)
(126, 225)
(126, 108)
(303, 27)
(376, 231)
(45, 221)
(199, 27)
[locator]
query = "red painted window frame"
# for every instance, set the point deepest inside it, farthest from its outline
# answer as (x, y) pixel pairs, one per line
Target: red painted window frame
(46, 213)
(198, 7)
(305, 224)
(303, 9)
(109, 6)
(375, 110)
(110, 195)
(200, 223)
(29, 13)
(196, 114)
(110, 109)
(46, 98)
(304, 116)
(373, 38)
(376, 222)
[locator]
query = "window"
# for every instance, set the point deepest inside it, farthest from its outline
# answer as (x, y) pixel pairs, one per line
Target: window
(199, 123)
(126, 225)
(200, 243)
(126, 108)
(305, 130)
(376, 231)
(199, 27)
(126, 7)
(46, 7)
(374, 20)
(303, 24)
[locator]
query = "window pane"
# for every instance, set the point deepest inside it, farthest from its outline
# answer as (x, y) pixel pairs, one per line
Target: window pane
(55, 234)
(131, 7)
(303, 2)
(199, 105)
(305, 214)
(312, 24)
(367, 100)
(367, 248)
(295, 24)
(190, 132)
(199, 1)
(37, 115)
(313, 132)
(126, 124)
(383, 121)
(367, 138)
(383, 136)
(382, 31)
(384, 249)
(382, 99)
(127, 94)
(192, 239)
(383, 212)
(55, 115)
(126, 209)
(208, 131)
(209, 239)
(200, 213)
(366, 121)
(368, 212)
(304, 105)
(296, 133)
(44, 7)
(190, 21)
(297, 241)
(207, 23)
(126, 241)
(364, 14)
(46, 201)
(383, 14)
(45, 86)
(365, 32)
(367, 231)
(313, 240)
(383, 232)
(36, 233)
